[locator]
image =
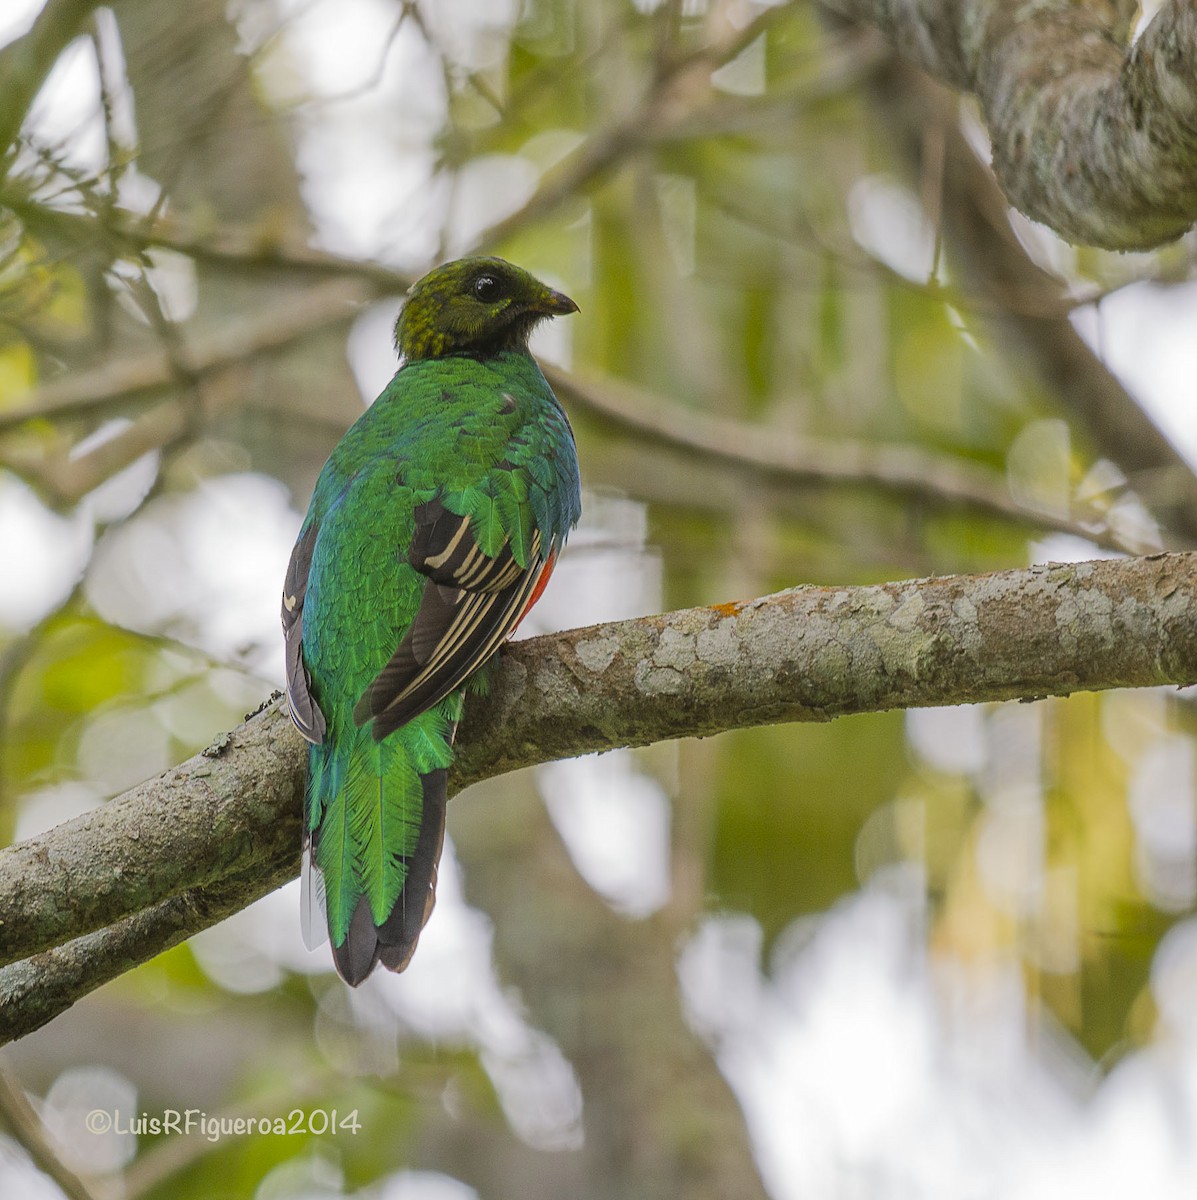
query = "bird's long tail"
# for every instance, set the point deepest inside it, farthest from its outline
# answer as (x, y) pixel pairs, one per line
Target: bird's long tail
(374, 829)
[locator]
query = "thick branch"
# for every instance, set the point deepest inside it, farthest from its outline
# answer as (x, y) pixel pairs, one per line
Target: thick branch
(37, 989)
(1095, 139)
(179, 852)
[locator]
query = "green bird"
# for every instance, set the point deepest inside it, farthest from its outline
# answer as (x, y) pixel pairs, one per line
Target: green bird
(433, 529)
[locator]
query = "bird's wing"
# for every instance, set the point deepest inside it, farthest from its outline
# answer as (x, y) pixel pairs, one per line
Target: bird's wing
(305, 712)
(471, 602)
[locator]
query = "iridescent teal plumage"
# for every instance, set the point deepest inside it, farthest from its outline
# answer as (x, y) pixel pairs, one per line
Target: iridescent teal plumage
(433, 526)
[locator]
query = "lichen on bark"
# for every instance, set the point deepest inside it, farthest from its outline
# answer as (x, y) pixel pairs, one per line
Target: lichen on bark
(1091, 135)
(91, 898)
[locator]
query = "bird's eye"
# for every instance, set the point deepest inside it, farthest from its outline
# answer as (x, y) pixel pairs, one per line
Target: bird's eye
(486, 287)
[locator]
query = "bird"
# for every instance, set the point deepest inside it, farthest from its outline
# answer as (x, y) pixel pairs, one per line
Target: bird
(433, 528)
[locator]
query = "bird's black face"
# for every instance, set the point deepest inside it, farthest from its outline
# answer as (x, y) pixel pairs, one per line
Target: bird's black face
(475, 306)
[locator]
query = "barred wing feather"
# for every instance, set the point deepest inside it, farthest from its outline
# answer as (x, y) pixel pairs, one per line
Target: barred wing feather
(471, 603)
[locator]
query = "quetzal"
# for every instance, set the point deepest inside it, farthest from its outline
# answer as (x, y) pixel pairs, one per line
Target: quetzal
(432, 531)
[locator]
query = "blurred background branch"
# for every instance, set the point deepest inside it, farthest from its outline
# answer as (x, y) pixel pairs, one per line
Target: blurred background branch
(23, 1122)
(1046, 343)
(907, 471)
(26, 61)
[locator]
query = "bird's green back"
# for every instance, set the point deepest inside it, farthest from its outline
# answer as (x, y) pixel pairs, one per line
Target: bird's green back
(443, 427)
(488, 439)
(433, 528)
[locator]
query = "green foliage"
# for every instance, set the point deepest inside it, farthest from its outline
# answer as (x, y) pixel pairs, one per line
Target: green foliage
(790, 803)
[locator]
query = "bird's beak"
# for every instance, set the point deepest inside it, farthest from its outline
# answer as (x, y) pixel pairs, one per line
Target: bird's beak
(558, 304)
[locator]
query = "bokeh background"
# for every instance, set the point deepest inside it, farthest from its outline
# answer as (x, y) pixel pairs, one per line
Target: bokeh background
(945, 953)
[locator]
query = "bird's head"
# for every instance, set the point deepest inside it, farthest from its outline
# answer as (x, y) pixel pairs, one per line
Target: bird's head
(474, 306)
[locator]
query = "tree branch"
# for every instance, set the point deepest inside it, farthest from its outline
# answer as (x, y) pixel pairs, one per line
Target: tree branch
(182, 851)
(679, 89)
(906, 470)
(1093, 137)
(321, 307)
(990, 257)
(26, 1126)
(25, 63)
(37, 989)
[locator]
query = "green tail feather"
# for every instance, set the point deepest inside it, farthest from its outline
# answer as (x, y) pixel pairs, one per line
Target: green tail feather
(375, 815)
